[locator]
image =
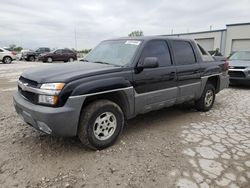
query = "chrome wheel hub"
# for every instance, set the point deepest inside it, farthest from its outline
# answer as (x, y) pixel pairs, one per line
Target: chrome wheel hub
(209, 98)
(49, 59)
(105, 126)
(7, 60)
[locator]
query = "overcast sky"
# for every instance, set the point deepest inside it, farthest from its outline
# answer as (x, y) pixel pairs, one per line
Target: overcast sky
(52, 23)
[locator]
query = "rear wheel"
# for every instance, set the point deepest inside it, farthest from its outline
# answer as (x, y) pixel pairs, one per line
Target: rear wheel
(7, 59)
(71, 59)
(206, 101)
(31, 58)
(100, 124)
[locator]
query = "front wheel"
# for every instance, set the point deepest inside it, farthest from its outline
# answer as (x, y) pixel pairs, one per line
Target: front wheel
(31, 58)
(49, 60)
(100, 125)
(206, 101)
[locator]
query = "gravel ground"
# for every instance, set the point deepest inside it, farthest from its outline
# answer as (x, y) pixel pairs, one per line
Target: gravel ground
(173, 147)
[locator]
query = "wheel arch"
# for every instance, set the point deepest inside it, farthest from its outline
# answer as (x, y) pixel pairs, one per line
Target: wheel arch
(215, 81)
(121, 98)
(7, 56)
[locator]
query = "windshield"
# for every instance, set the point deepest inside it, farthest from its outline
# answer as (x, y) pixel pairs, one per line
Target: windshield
(116, 52)
(245, 56)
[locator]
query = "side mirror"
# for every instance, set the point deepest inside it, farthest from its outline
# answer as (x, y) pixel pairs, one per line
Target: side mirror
(149, 62)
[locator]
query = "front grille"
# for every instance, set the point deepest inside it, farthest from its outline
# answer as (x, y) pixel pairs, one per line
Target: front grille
(32, 97)
(236, 74)
(29, 82)
(237, 67)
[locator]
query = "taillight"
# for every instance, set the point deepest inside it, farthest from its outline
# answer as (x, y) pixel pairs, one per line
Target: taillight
(226, 65)
(13, 53)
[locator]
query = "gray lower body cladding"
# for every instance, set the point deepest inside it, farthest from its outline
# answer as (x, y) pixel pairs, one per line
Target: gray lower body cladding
(62, 121)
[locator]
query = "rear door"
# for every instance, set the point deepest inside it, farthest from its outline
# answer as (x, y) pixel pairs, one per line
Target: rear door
(188, 70)
(155, 87)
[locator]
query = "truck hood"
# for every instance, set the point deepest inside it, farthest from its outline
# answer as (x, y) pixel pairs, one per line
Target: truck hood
(67, 72)
(239, 63)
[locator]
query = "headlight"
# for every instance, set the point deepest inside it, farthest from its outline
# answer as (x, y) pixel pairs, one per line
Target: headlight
(47, 99)
(52, 86)
(50, 99)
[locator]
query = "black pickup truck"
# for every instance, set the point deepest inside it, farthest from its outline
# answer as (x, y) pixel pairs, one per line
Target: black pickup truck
(117, 80)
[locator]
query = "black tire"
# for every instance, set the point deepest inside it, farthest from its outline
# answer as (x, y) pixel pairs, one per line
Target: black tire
(201, 104)
(7, 59)
(71, 59)
(32, 58)
(49, 59)
(87, 124)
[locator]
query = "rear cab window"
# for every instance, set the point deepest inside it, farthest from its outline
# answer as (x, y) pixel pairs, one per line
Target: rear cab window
(204, 54)
(159, 49)
(183, 52)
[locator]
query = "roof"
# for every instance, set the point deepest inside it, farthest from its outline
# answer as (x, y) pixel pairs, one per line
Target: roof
(148, 38)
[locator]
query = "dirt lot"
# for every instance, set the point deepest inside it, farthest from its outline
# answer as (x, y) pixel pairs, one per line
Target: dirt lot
(169, 148)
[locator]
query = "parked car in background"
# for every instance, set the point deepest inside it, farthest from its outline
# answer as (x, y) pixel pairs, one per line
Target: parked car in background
(7, 56)
(20, 56)
(58, 55)
(239, 67)
(33, 55)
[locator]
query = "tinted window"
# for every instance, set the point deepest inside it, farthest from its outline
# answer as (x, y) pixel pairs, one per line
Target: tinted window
(67, 51)
(58, 51)
(158, 49)
(203, 52)
(184, 54)
(1, 50)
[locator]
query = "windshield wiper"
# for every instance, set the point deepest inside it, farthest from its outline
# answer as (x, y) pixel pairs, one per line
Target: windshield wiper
(84, 60)
(102, 62)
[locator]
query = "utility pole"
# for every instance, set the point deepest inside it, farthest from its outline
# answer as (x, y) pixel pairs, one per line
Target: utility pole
(75, 40)
(210, 27)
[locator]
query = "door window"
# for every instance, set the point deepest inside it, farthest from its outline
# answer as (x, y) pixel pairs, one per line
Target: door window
(159, 49)
(184, 54)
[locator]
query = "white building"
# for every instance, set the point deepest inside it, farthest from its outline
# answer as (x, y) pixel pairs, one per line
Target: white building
(236, 37)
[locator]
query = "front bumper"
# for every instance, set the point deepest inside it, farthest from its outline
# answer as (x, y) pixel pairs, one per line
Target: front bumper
(239, 74)
(61, 121)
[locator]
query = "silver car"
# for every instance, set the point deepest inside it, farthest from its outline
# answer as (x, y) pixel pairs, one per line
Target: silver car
(239, 68)
(7, 56)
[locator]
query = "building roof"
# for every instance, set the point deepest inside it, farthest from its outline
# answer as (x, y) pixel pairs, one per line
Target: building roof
(199, 32)
(237, 24)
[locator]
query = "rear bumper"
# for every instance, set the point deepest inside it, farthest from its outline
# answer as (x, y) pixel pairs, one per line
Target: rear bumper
(224, 81)
(61, 121)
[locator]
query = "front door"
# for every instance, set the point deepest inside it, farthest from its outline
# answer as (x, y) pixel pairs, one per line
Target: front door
(155, 87)
(58, 55)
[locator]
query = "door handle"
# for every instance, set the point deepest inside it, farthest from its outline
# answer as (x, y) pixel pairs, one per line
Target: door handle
(172, 75)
